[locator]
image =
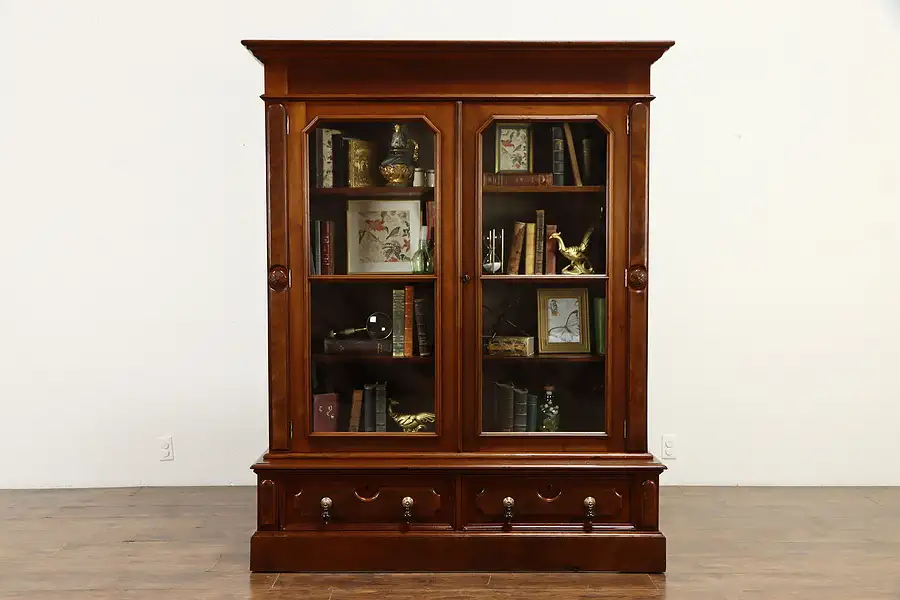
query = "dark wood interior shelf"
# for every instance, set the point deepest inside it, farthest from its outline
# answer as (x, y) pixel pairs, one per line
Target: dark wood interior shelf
(336, 358)
(580, 358)
(373, 192)
(543, 189)
(373, 277)
(567, 278)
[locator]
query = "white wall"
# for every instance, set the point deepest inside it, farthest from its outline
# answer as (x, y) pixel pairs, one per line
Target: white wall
(132, 231)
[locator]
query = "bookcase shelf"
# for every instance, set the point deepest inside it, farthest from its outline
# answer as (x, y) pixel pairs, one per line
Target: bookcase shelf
(373, 192)
(579, 358)
(544, 278)
(543, 189)
(375, 278)
(375, 358)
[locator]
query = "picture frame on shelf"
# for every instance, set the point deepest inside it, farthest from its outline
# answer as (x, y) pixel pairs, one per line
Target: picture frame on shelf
(514, 148)
(563, 321)
(382, 235)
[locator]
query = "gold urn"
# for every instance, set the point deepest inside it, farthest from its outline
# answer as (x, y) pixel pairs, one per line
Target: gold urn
(397, 167)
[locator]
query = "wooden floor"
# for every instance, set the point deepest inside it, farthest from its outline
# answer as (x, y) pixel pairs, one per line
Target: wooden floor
(170, 543)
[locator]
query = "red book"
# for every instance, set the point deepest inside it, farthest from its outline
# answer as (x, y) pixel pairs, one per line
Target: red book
(550, 247)
(325, 412)
(328, 248)
(408, 303)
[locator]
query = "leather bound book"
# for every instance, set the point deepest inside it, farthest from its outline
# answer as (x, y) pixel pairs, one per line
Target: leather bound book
(529, 248)
(520, 410)
(325, 412)
(532, 417)
(550, 249)
(381, 407)
(327, 247)
(398, 301)
(518, 179)
(339, 154)
(539, 227)
(431, 219)
(505, 407)
(559, 156)
(587, 172)
(421, 327)
(317, 245)
(355, 410)
(369, 406)
(408, 303)
(598, 320)
(515, 251)
(357, 346)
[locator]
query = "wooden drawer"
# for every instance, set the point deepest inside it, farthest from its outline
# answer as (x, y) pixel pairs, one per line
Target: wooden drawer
(367, 501)
(545, 501)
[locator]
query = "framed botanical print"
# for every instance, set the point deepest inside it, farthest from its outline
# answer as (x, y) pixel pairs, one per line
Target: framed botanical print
(563, 320)
(382, 235)
(514, 148)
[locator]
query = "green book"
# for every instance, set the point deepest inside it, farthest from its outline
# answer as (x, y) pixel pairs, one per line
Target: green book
(599, 325)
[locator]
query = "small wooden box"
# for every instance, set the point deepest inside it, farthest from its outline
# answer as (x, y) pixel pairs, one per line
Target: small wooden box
(511, 345)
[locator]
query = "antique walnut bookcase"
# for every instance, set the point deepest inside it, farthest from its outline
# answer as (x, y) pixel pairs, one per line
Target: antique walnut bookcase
(448, 455)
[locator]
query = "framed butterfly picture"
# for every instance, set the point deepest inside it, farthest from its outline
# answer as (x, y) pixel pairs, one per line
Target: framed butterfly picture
(563, 320)
(382, 235)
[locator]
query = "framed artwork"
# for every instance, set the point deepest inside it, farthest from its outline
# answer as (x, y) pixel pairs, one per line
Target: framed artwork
(382, 235)
(563, 321)
(514, 148)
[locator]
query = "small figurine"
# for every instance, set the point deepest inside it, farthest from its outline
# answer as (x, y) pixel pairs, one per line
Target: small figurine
(397, 167)
(577, 255)
(549, 411)
(410, 423)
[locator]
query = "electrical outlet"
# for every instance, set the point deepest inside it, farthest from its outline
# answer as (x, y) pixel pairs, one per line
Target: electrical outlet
(166, 448)
(669, 446)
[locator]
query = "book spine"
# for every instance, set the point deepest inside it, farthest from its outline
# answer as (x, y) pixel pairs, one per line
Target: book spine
(529, 248)
(325, 408)
(559, 156)
(570, 142)
(339, 161)
(397, 304)
(492, 418)
(327, 248)
(355, 410)
(430, 219)
(381, 407)
(599, 318)
(507, 408)
(550, 251)
(520, 410)
(320, 146)
(532, 413)
(515, 251)
(519, 180)
(422, 328)
(357, 346)
(539, 233)
(408, 303)
(369, 406)
(317, 246)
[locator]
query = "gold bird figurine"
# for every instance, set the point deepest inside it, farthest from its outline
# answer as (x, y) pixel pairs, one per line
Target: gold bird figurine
(577, 255)
(410, 423)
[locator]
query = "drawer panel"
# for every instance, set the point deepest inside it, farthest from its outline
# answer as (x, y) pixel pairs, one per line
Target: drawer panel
(368, 501)
(558, 500)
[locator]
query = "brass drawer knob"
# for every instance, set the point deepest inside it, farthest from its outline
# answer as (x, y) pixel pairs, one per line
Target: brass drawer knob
(407, 504)
(508, 504)
(326, 503)
(589, 505)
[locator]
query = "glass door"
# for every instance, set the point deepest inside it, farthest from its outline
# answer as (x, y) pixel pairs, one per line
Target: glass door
(377, 186)
(541, 301)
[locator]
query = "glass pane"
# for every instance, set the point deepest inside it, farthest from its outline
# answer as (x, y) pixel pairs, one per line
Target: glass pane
(372, 211)
(543, 280)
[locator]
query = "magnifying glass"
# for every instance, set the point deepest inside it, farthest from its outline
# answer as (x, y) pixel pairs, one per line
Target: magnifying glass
(378, 325)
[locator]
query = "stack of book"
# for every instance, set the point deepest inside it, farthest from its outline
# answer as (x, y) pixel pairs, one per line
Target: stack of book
(511, 409)
(321, 246)
(534, 242)
(368, 410)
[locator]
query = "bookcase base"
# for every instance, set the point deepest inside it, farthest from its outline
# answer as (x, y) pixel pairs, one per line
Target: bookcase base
(627, 552)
